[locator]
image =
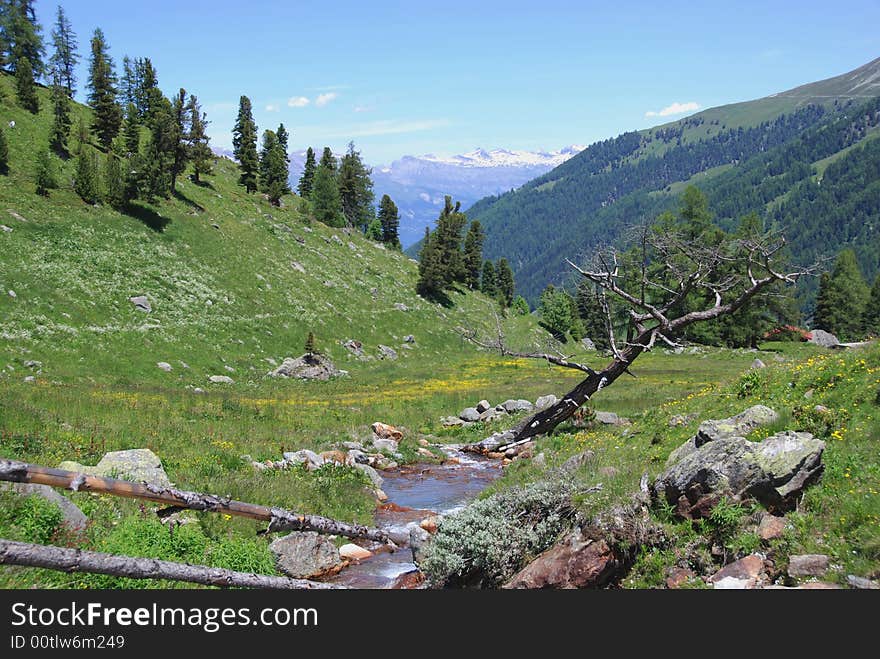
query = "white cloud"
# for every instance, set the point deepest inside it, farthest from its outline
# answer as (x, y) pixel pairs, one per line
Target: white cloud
(297, 102)
(675, 108)
(324, 99)
(272, 107)
(363, 108)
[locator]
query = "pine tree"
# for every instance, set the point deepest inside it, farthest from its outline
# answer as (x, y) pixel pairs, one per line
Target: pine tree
(520, 306)
(355, 189)
(4, 153)
(374, 231)
(431, 281)
(389, 220)
(326, 204)
(85, 182)
(244, 143)
(131, 131)
(447, 242)
(842, 298)
(60, 116)
(22, 35)
(102, 92)
(311, 347)
(65, 58)
(306, 181)
(44, 178)
(269, 142)
(556, 312)
(128, 87)
(200, 152)
(473, 255)
(25, 87)
(505, 284)
(179, 137)
(148, 96)
(115, 186)
(488, 280)
(156, 163)
(871, 317)
(273, 168)
(592, 315)
(284, 143)
(82, 133)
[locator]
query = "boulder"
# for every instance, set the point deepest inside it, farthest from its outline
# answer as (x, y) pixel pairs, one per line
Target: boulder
(610, 419)
(771, 527)
(370, 473)
(419, 539)
(774, 471)
(746, 571)
(546, 401)
(387, 353)
(408, 580)
(310, 459)
(385, 431)
(72, 517)
(351, 552)
(739, 425)
(354, 347)
(823, 338)
(385, 445)
(483, 406)
(221, 379)
(681, 419)
(356, 456)
(807, 565)
(452, 422)
(141, 303)
(430, 524)
(164, 366)
(136, 465)
(469, 414)
(521, 405)
(309, 366)
(400, 306)
(588, 344)
(676, 577)
(306, 555)
(861, 583)
(409, 338)
(758, 364)
(574, 562)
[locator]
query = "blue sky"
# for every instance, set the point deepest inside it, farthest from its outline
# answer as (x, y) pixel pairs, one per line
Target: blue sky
(446, 77)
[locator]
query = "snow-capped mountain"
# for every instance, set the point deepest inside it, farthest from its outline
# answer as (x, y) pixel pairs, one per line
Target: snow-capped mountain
(508, 158)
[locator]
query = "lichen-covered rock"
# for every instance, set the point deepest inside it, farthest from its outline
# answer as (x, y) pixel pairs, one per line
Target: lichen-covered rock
(385, 352)
(739, 425)
(310, 459)
(136, 465)
(521, 405)
(306, 555)
(546, 401)
(309, 366)
(823, 338)
(469, 414)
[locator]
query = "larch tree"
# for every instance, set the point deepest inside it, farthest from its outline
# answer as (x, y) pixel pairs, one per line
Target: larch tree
(44, 177)
(306, 181)
(107, 118)
(61, 121)
(157, 160)
(25, 87)
(244, 143)
(200, 153)
(65, 56)
(21, 36)
(447, 242)
(389, 219)
(473, 255)
(843, 295)
(431, 282)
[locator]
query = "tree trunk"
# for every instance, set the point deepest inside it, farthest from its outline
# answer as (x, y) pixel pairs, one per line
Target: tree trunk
(278, 518)
(77, 560)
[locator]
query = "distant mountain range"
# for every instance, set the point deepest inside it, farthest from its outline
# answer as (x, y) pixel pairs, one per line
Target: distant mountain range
(806, 160)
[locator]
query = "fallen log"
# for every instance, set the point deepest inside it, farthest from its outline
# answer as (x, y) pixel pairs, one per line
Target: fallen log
(78, 560)
(278, 518)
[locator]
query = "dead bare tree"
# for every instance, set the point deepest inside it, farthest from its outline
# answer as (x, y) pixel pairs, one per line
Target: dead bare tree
(659, 284)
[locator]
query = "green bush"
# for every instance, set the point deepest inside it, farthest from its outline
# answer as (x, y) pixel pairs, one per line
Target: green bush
(28, 519)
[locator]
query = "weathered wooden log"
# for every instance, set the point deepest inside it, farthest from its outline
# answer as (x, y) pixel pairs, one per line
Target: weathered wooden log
(278, 518)
(78, 560)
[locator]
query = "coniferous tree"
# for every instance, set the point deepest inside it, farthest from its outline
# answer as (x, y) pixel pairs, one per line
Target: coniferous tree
(200, 152)
(244, 143)
(355, 189)
(473, 255)
(82, 133)
(102, 92)
(871, 317)
(157, 161)
(25, 87)
(65, 58)
(128, 86)
(60, 115)
(326, 204)
(85, 182)
(306, 181)
(179, 138)
(4, 153)
(521, 306)
(431, 283)
(273, 168)
(505, 284)
(389, 220)
(115, 187)
(592, 315)
(131, 131)
(269, 142)
(44, 178)
(148, 96)
(842, 298)
(21, 35)
(374, 231)
(556, 312)
(284, 143)
(488, 283)
(311, 346)
(447, 242)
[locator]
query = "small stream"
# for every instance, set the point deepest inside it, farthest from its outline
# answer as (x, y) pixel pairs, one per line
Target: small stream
(414, 493)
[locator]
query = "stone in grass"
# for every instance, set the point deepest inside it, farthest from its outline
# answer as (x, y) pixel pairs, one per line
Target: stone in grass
(483, 406)
(136, 465)
(469, 414)
(310, 459)
(807, 565)
(141, 303)
(387, 353)
(221, 379)
(521, 405)
(546, 401)
(72, 517)
(306, 555)
(164, 366)
(744, 573)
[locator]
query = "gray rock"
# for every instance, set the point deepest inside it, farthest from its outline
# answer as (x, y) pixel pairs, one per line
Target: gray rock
(353, 446)
(12, 294)
(354, 347)
(33, 364)
(306, 555)
(336, 239)
(30, 378)
(165, 366)
(758, 364)
(198, 390)
(309, 366)
(736, 426)
(400, 306)
(221, 379)
(861, 583)
(305, 457)
(774, 471)
(409, 338)
(469, 414)
(419, 539)
(371, 473)
(521, 405)
(575, 462)
(823, 338)
(5, 229)
(610, 419)
(493, 442)
(807, 565)
(484, 406)
(141, 303)
(298, 267)
(385, 445)
(72, 517)
(588, 344)
(387, 353)
(139, 464)
(356, 456)
(681, 419)
(451, 422)
(384, 463)
(546, 401)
